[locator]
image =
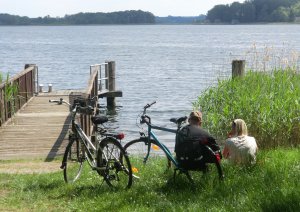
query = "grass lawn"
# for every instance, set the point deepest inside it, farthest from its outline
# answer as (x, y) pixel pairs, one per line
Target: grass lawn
(272, 185)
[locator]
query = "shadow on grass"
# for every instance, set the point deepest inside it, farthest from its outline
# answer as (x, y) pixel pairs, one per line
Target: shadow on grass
(81, 188)
(180, 183)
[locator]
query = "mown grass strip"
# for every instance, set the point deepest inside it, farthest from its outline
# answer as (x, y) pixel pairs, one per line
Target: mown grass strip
(271, 185)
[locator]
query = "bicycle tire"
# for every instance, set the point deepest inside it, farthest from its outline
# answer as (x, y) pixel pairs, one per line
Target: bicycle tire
(117, 172)
(137, 150)
(73, 161)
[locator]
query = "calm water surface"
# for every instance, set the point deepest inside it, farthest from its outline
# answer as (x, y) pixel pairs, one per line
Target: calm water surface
(168, 63)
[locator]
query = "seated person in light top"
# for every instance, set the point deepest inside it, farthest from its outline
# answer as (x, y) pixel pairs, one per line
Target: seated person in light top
(239, 147)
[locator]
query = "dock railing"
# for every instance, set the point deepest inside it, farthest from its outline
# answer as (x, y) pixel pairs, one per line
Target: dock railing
(90, 92)
(17, 91)
(103, 75)
(101, 84)
(107, 82)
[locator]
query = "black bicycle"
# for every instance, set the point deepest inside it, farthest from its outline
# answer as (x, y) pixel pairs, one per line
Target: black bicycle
(104, 154)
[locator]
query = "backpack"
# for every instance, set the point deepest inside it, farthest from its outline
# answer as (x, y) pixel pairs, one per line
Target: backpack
(193, 152)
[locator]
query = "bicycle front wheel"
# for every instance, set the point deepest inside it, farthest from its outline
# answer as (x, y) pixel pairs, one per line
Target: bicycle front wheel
(73, 161)
(137, 150)
(114, 164)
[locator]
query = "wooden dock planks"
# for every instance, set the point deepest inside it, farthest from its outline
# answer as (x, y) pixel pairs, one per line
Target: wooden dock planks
(39, 130)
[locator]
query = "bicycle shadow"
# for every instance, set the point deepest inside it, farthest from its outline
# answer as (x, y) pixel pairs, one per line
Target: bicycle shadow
(59, 141)
(180, 182)
(79, 190)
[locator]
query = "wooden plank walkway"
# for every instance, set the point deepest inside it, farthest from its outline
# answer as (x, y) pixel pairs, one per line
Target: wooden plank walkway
(37, 131)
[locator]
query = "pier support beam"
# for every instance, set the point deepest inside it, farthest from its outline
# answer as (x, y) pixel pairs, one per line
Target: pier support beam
(111, 71)
(238, 68)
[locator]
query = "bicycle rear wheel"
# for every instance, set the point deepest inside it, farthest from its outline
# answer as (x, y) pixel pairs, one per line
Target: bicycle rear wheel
(137, 150)
(73, 161)
(117, 172)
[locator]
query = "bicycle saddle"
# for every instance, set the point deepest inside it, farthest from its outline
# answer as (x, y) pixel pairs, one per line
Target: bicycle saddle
(98, 119)
(178, 120)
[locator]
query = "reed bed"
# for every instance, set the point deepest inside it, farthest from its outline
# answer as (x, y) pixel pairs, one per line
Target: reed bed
(268, 102)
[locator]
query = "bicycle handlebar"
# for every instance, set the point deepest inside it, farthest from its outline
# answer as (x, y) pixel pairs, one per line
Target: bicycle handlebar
(76, 107)
(60, 101)
(149, 105)
(146, 119)
(144, 116)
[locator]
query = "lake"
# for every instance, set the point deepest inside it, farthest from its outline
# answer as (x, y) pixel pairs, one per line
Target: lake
(171, 64)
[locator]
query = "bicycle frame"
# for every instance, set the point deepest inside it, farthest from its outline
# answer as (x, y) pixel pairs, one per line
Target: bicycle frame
(78, 133)
(86, 142)
(151, 134)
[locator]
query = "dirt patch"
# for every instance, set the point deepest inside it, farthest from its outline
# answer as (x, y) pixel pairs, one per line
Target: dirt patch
(29, 167)
(3, 193)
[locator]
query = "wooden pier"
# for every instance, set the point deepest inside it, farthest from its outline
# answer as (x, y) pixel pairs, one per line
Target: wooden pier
(39, 129)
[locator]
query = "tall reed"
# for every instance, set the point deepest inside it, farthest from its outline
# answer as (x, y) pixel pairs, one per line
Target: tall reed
(11, 90)
(268, 102)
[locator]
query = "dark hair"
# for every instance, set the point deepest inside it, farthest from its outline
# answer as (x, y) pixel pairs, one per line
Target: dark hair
(195, 117)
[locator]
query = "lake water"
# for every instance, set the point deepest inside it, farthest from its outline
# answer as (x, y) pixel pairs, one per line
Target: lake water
(171, 64)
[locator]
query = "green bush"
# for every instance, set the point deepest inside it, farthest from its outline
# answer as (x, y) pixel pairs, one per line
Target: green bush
(269, 103)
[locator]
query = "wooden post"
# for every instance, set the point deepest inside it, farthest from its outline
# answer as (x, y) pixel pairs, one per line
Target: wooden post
(34, 82)
(106, 75)
(2, 119)
(111, 83)
(26, 87)
(238, 68)
(28, 65)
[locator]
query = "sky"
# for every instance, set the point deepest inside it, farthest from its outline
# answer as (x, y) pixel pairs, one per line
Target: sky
(60, 8)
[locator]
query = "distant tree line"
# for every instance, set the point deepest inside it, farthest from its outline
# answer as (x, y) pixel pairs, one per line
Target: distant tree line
(122, 17)
(180, 19)
(255, 11)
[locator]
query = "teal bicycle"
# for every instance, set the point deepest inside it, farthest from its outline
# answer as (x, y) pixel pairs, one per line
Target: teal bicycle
(148, 145)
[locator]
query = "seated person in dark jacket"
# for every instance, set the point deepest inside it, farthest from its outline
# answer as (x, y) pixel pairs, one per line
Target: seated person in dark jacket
(190, 140)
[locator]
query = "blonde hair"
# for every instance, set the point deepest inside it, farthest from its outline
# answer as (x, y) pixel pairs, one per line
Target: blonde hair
(240, 127)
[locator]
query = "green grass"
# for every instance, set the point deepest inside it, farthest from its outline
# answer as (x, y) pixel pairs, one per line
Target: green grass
(271, 185)
(269, 103)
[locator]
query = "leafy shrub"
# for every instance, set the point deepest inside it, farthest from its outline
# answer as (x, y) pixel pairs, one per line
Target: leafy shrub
(269, 103)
